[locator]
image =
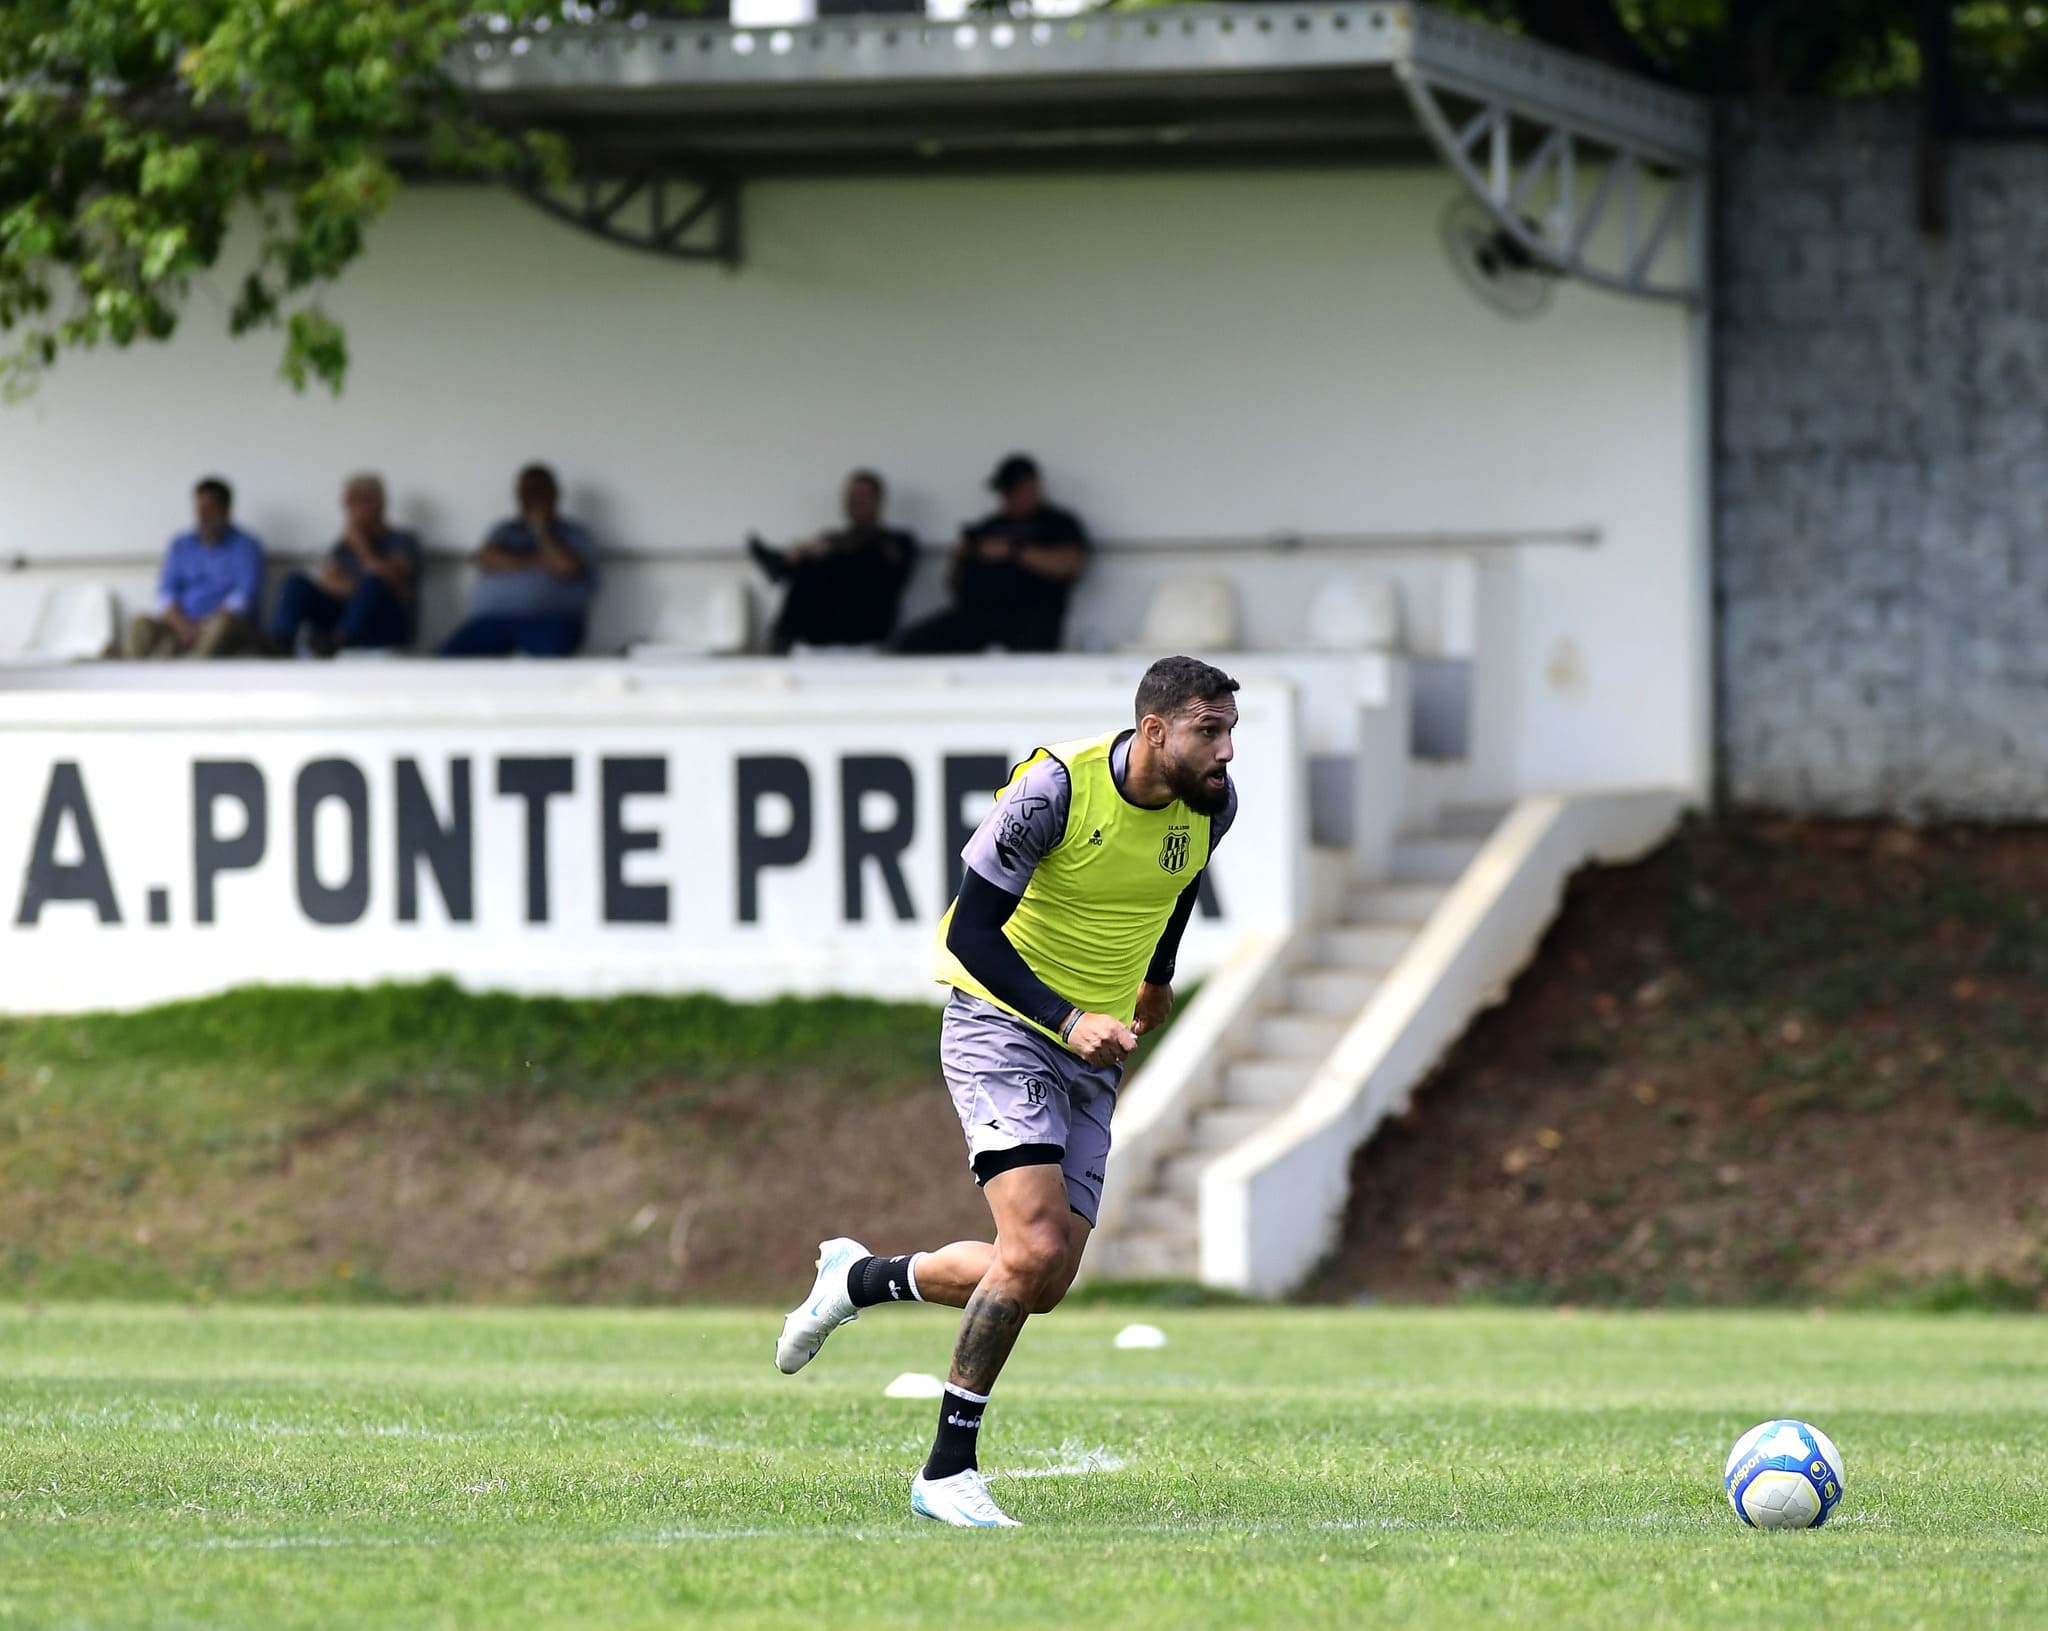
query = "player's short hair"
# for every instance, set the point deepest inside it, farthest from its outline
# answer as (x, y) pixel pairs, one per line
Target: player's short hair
(873, 479)
(217, 490)
(1172, 683)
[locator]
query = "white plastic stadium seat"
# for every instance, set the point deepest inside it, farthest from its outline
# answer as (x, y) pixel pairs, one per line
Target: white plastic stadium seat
(75, 623)
(1355, 614)
(1190, 614)
(714, 619)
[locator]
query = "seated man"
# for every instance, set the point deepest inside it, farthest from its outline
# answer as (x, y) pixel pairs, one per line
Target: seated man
(207, 592)
(844, 586)
(1011, 574)
(536, 577)
(364, 595)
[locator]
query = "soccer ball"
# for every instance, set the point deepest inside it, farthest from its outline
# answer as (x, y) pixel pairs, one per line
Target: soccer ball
(1784, 1475)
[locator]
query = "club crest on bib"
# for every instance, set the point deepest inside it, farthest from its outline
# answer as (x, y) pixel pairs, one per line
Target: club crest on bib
(1173, 851)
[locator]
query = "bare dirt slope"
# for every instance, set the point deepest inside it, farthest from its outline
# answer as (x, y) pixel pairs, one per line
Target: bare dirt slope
(726, 1200)
(679, 1194)
(1774, 1061)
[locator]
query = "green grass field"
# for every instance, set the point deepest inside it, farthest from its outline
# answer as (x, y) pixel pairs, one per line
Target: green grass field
(261, 1467)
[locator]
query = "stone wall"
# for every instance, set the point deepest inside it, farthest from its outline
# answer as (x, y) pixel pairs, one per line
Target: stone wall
(1881, 470)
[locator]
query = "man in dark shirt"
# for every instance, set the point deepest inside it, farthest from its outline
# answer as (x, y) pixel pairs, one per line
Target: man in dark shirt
(364, 594)
(1012, 573)
(844, 586)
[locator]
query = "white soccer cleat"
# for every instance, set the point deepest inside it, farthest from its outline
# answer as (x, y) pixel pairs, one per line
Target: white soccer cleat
(821, 1313)
(962, 1500)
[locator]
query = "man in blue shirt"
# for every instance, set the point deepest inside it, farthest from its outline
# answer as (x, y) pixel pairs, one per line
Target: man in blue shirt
(363, 597)
(536, 574)
(207, 592)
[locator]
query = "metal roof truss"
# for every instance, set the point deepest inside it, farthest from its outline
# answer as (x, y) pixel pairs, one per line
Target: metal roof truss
(649, 206)
(1592, 173)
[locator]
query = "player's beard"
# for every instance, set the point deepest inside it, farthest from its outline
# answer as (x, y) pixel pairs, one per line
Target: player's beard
(1193, 789)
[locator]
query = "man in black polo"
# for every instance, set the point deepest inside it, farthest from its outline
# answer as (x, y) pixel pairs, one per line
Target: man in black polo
(1011, 574)
(843, 586)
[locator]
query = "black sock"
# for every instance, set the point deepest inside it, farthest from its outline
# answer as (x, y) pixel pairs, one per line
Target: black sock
(874, 1280)
(959, 1431)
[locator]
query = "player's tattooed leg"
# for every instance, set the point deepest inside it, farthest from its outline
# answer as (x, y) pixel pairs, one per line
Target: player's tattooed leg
(988, 1331)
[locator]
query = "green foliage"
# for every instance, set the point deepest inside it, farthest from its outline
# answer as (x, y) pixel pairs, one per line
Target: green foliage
(1816, 47)
(139, 137)
(2001, 47)
(345, 1467)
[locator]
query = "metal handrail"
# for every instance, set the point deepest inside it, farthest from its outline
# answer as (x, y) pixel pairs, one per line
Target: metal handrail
(1273, 543)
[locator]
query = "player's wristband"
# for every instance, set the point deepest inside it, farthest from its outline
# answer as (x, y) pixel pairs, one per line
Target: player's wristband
(1067, 1029)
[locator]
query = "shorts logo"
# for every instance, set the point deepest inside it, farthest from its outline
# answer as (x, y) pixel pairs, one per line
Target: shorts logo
(1034, 1091)
(1173, 853)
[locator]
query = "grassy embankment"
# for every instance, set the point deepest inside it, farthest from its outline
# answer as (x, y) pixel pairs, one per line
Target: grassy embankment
(258, 1142)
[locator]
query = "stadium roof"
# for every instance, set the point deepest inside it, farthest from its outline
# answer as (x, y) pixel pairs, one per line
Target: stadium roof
(692, 109)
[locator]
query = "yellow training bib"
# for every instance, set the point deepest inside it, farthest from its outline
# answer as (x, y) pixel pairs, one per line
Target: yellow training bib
(1098, 902)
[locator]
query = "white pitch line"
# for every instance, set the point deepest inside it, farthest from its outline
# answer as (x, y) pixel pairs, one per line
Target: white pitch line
(1074, 1462)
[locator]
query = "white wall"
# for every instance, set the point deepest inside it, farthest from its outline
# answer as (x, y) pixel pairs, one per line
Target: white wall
(1188, 355)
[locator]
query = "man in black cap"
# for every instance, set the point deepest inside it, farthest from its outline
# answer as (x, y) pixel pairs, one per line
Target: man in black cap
(1011, 573)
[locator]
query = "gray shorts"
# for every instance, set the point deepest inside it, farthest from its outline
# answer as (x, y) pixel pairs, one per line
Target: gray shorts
(1014, 1086)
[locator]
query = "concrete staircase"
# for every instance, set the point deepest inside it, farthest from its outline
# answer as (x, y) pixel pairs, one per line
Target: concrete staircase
(1282, 1044)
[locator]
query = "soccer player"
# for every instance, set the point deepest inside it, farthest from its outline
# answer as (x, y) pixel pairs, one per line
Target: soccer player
(1060, 951)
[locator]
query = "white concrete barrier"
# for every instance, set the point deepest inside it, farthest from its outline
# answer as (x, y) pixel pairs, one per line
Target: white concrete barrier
(1181, 1075)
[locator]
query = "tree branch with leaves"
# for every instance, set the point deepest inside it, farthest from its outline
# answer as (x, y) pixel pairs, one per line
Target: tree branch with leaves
(138, 137)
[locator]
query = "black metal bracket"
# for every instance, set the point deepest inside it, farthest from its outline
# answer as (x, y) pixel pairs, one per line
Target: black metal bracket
(650, 207)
